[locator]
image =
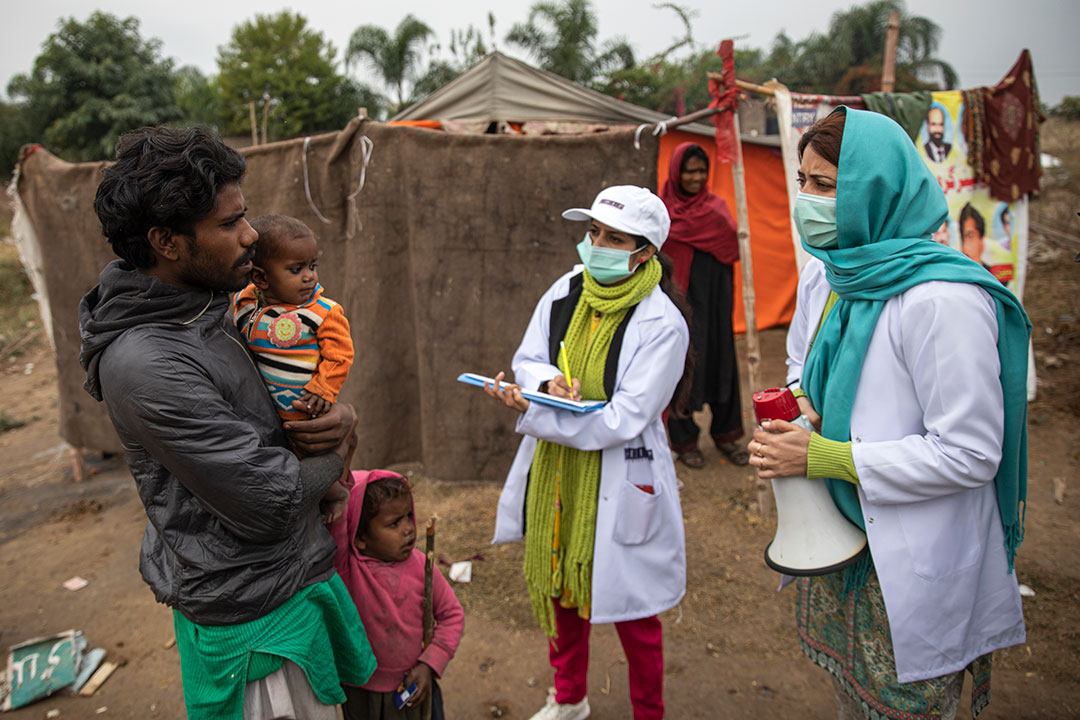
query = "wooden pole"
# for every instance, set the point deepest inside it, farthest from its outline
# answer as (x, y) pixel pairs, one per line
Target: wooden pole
(265, 114)
(888, 67)
(429, 607)
(254, 127)
(746, 262)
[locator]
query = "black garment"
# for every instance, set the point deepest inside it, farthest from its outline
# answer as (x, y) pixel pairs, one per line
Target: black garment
(716, 375)
(361, 704)
(234, 528)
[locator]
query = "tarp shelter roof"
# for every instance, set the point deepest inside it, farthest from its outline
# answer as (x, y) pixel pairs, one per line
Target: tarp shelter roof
(500, 88)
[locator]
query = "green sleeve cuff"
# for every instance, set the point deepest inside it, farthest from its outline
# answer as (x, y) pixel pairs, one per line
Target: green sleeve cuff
(798, 393)
(827, 458)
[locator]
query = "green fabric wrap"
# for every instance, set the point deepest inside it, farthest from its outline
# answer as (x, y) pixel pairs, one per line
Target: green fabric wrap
(907, 109)
(577, 472)
(318, 628)
(888, 204)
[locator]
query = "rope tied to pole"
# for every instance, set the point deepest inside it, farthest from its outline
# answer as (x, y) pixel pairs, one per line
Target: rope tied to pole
(355, 226)
(307, 183)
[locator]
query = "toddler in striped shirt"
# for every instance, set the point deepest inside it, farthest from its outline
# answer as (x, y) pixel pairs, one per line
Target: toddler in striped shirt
(299, 338)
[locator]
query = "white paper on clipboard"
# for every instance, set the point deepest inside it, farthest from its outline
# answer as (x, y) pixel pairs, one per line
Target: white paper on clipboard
(578, 406)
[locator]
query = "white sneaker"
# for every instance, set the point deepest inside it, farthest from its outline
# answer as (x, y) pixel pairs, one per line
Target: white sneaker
(555, 711)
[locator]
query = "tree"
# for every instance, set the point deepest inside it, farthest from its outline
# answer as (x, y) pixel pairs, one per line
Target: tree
(849, 58)
(395, 58)
(14, 133)
(845, 61)
(467, 47)
(197, 97)
(562, 38)
(1068, 108)
(289, 72)
(92, 82)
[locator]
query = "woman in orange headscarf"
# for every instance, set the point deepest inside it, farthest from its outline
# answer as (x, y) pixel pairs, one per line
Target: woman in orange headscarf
(702, 246)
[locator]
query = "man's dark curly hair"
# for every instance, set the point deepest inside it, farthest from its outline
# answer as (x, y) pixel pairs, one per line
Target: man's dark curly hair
(167, 177)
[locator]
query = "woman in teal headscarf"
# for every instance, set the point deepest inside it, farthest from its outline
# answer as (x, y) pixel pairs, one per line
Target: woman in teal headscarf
(916, 359)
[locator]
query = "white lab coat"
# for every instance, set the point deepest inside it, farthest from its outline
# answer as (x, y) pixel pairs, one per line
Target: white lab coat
(926, 430)
(639, 557)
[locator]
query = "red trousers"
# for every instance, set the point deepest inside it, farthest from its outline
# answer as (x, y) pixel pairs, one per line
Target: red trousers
(643, 643)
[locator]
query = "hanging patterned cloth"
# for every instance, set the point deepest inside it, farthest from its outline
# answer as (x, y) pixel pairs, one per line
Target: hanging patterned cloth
(1009, 138)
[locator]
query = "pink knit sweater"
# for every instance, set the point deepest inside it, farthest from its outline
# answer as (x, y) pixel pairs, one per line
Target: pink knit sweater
(389, 597)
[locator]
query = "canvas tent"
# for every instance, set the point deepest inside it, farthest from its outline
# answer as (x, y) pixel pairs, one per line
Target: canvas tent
(500, 89)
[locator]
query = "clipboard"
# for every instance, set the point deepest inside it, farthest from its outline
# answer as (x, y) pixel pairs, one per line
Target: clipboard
(578, 406)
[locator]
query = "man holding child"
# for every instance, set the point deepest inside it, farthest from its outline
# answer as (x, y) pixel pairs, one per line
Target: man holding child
(235, 542)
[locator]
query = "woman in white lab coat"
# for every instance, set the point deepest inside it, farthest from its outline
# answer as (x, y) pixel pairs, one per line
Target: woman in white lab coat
(594, 495)
(916, 358)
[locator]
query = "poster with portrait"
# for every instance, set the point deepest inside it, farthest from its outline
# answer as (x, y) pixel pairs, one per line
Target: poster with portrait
(990, 232)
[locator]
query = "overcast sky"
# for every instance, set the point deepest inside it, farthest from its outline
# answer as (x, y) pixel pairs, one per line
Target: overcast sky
(980, 38)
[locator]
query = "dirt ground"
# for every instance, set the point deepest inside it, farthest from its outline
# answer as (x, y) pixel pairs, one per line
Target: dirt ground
(730, 648)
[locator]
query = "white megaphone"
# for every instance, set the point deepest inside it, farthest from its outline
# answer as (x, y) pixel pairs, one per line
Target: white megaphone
(812, 536)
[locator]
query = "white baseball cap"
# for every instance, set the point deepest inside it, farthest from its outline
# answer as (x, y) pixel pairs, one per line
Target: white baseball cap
(629, 208)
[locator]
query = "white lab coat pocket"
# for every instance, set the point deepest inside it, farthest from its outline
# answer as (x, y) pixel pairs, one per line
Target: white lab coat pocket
(941, 534)
(638, 516)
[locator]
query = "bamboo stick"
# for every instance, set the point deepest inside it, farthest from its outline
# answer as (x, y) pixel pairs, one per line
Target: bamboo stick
(744, 84)
(254, 127)
(753, 353)
(429, 608)
(888, 67)
(265, 114)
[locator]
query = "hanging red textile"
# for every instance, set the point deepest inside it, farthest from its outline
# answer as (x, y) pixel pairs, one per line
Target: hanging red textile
(1012, 124)
(724, 97)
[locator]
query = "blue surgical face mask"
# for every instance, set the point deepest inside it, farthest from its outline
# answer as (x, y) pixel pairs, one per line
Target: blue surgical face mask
(606, 265)
(815, 217)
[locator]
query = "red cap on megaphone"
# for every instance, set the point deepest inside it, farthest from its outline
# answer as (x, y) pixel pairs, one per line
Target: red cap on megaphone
(775, 404)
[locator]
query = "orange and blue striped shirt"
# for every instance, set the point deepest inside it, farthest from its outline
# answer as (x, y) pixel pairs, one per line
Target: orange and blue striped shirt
(296, 347)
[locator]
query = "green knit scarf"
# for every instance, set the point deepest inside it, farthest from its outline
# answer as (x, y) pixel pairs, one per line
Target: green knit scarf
(577, 472)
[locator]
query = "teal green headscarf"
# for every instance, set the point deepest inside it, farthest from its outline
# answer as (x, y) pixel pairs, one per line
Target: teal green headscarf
(887, 205)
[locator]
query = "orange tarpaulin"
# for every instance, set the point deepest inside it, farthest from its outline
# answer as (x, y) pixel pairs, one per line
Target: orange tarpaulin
(429, 124)
(775, 275)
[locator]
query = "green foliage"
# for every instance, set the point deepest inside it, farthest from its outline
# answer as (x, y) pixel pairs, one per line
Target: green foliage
(562, 39)
(848, 59)
(467, 47)
(197, 97)
(15, 131)
(394, 58)
(8, 422)
(288, 71)
(92, 82)
(1068, 108)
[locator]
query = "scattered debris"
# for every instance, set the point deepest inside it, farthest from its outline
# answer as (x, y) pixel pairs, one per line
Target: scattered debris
(98, 678)
(497, 710)
(75, 583)
(606, 690)
(461, 572)
(54, 713)
(171, 642)
(532, 682)
(40, 666)
(1059, 490)
(28, 369)
(80, 508)
(90, 663)
(1026, 591)
(712, 649)
(101, 710)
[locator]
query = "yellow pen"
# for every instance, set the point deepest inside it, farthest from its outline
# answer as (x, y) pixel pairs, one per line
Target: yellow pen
(564, 362)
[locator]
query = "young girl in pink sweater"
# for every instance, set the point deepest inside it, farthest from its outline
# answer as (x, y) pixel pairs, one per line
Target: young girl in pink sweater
(384, 572)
